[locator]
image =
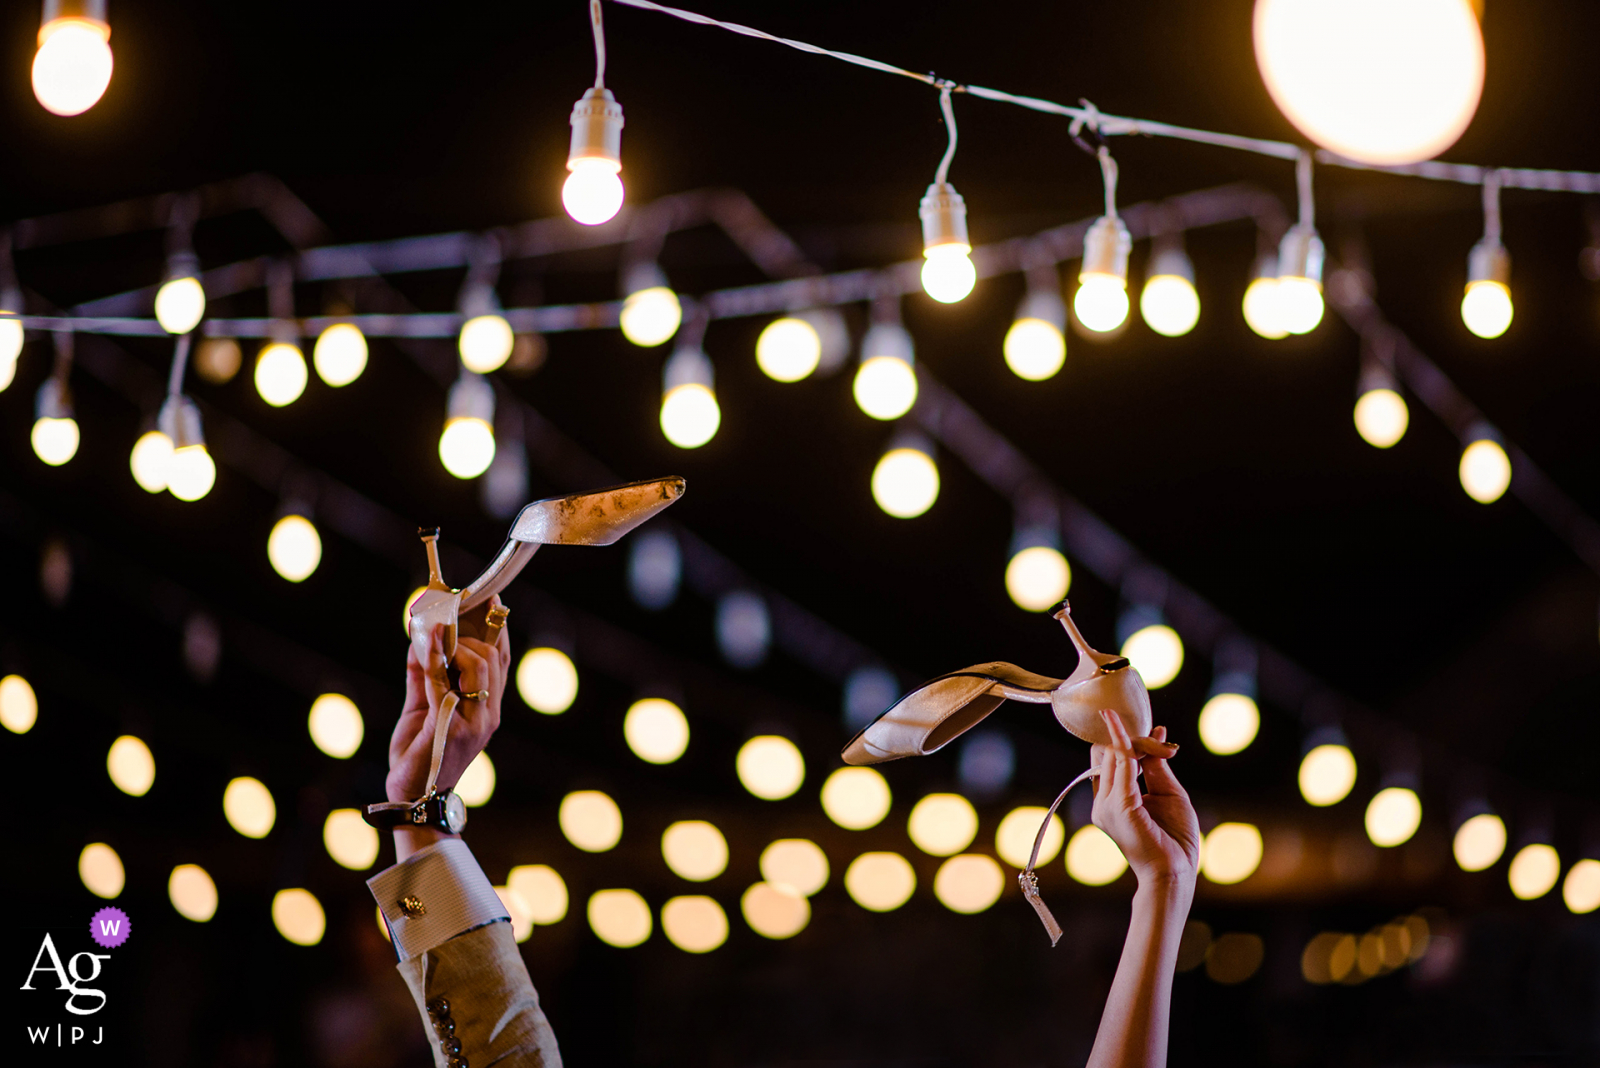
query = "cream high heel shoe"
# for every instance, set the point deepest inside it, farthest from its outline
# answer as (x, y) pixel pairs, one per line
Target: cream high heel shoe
(939, 711)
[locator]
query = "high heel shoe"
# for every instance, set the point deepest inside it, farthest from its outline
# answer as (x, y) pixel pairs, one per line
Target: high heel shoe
(939, 711)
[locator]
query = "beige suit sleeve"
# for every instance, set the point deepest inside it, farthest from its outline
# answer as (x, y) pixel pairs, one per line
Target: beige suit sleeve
(460, 960)
(479, 1005)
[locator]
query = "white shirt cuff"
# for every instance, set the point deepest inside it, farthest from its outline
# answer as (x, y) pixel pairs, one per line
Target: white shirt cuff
(433, 895)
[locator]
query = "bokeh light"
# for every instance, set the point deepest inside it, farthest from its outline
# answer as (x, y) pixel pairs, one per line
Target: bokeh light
(948, 273)
(101, 870)
(336, 726)
(547, 679)
(192, 892)
(1235, 957)
(1101, 302)
(1534, 871)
(881, 882)
(1327, 774)
(619, 917)
(1093, 858)
(192, 473)
(885, 387)
(1228, 723)
(695, 850)
(656, 730)
(477, 782)
(770, 766)
(788, 349)
(72, 67)
(695, 924)
(280, 374)
(1580, 891)
(180, 303)
(249, 807)
(1485, 471)
(1034, 349)
(485, 343)
(19, 707)
(466, 446)
(1486, 308)
(1479, 842)
(856, 798)
(797, 864)
(1156, 652)
(294, 548)
(298, 916)
(517, 909)
(1038, 577)
(151, 461)
(690, 415)
(774, 911)
(340, 354)
(131, 766)
(943, 824)
(1381, 417)
(905, 483)
(590, 820)
(1393, 816)
(1169, 304)
(1018, 830)
(1231, 853)
(1261, 308)
(969, 883)
(54, 440)
(651, 316)
(349, 840)
(542, 890)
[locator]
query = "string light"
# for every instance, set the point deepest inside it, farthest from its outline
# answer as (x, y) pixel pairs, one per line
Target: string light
(1037, 576)
(1036, 344)
(1169, 304)
(1298, 295)
(1479, 842)
(191, 473)
(1093, 859)
(1485, 467)
(181, 300)
(774, 911)
(1015, 837)
(656, 730)
(335, 725)
(651, 312)
(101, 871)
(1581, 889)
(55, 431)
(1157, 652)
(281, 372)
(1381, 415)
(349, 840)
(1327, 774)
(1101, 303)
(856, 798)
(1393, 816)
(590, 820)
(947, 271)
(543, 891)
(1261, 299)
(885, 385)
(695, 850)
(466, 446)
(1231, 853)
(969, 883)
(770, 767)
(788, 349)
(192, 893)
(796, 864)
(1534, 871)
(19, 706)
(485, 343)
(592, 193)
(880, 882)
(298, 916)
(1486, 307)
(340, 354)
(294, 548)
(72, 67)
(942, 824)
(619, 918)
(905, 482)
(150, 461)
(1228, 723)
(690, 414)
(477, 782)
(1371, 80)
(249, 807)
(695, 924)
(547, 680)
(131, 766)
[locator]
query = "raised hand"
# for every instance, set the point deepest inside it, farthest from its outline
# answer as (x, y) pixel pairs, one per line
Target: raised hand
(1157, 830)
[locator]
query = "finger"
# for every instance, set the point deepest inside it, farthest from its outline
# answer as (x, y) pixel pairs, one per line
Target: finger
(1124, 769)
(471, 660)
(435, 665)
(1154, 747)
(1158, 776)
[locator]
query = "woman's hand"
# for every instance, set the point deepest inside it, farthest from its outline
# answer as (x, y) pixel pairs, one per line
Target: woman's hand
(1157, 831)
(482, 667)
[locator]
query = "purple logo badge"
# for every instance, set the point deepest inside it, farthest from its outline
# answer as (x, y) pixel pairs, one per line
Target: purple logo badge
(109, 927)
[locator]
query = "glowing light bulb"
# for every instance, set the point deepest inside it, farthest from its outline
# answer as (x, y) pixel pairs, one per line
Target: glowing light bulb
(650, 316)
(1298, 304)
(547, 680)
(1486, 308)
(11, 339)
(298, 916)
(1157, 652)
(349, 840)
(466, 448)
(695, 850)
(1327, 774)
(1485, 470)
(336, 726)
(881, 882)
(695, 923)
(968, 884)
(1231, 853)
(192, 893)
(340, 354)
(1038, 577)
(1170, 305)
(101, 870)
(1381, 417)
(1534, 871)
(1393, 816)
(1479, 842)
(656, 730)
(856, 798)
(1228, 723)
(770, 767)
(131, 766)
(885, 387)
(486, 342)
(942, 824)
(1015, 837)
(249, 807)
(690, 415)
(593, 193)
(947, 273)
(55, 441)
(590, 820)
(1581, 889)
(73, 65)
(788, 349)
(1261, 307)
(19, 705)
(180, 304)
(1380, 81)
(905, 483)
(1035, 349)
(294, 548)
(151, 460)
(1093, 858)
(1101, 302)
(280, 373)
(191, 473)
(619, 918)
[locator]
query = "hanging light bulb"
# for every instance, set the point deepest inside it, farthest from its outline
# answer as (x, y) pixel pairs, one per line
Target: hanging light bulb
(11, 335)
(55, 431)
(1485, 467)
(466, 447)
(905, 483)
(651, 312)
(1374, 80)
(1261, 299)
(1381, 414)
(1486, 307)
(1101, 302)
(1036, 344)
(151, 461)
(593, 190)
(947, 271)
(788, 349)
(181, 300)
(1300, 259)
(73, 65)
(1169, 304)
(486, 342)
(191, 472)
(1037, 576)
(690, 414)
(340, 354)
(281, 368)
(294, 548)
(886, 385)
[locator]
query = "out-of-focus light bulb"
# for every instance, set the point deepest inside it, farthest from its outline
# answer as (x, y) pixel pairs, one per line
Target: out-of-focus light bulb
(619, 917)
(1534, 871)
(1327, 774)
(180, 304)
(881, 882)
(690, 414)
(11, 339)
(73, 65)
(1231, 853)
(543, 891)
(656, 730)
(1036, 345)
(340, 354)
(942, 824)
(1157, 652)
(547, 680)
(101, 870)
(349, 840)
(1261, 300)
(1381, 417)
(1479, 842)
(1485, 470)
(1393, 816)
(905, 483)
(486, 342)
(192, 473)
(131, 766)
(1101, 302)
(151, 460)
(466, 448)
(774, 911)
(856, 798)
(280, 373)
(1093, 858)
(19, 706)
(336, 726)
(947, 271)
(298, 916)
(1020, 829)
(651, 312)
(1228, 723)
(1169, 304)
(1380, 81)
(968, 884)
(695, 850)
(294, 548)
(249, 807)
(1297, 300)
(885, 384)
(770, 767)
(796, 864)
(1486, 309)
(477, 783)
(590, 820)
(192, 893)
(55, 441)
(694, 923)
(1581, 888)
(592, 193)
(788, 349)
(1038, 577)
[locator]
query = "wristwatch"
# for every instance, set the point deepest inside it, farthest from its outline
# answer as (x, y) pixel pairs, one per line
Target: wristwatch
(442, 810)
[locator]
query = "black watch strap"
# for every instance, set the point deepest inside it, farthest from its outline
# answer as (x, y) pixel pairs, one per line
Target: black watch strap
(442, 810)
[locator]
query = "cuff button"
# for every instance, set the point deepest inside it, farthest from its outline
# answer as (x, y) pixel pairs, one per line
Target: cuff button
(412, 906)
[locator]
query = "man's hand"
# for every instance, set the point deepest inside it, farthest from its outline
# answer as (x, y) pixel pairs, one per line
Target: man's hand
(1157, 831)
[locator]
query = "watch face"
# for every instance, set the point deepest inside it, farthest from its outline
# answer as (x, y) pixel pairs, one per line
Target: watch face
(455, 813)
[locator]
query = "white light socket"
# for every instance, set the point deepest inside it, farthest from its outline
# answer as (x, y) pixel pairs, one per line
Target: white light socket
(1106, 247)
(944, 217)
(596, 128)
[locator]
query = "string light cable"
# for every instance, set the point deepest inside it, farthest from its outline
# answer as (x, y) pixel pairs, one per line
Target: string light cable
(947, 271)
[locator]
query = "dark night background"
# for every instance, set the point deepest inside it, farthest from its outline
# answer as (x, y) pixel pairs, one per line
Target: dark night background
(1229, 460)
